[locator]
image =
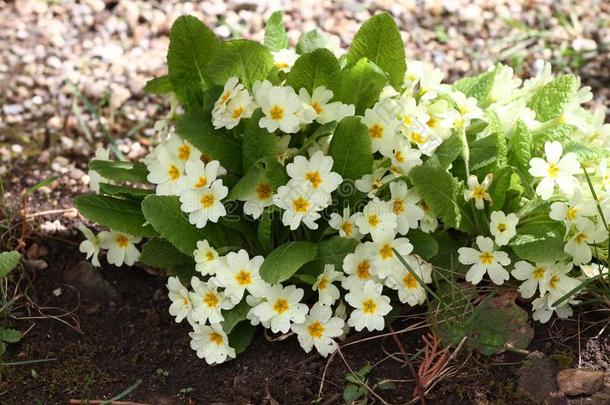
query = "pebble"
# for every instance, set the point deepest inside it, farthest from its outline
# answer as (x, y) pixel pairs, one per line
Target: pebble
(579, 381)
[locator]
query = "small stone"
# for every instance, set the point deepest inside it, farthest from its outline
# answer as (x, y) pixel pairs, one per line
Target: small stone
(537, 377)
(93, 288)
(579, 381)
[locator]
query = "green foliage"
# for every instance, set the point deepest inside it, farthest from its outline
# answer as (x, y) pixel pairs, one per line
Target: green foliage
(163, 213)
(115, 213)
(310, 41)
(286, 259)
(360, 84)
(120, 171)
(276, 37)
(350, 149)
(521, 148)
(8, 262)
(379, 41)
(551, 100)
(234, 316)
(423, 243)
(447, 152)
(478, 86)
(248, 60)
(258, 143)
(124, 192)
(241, 336)
(10, 335)
(160, 253)
(539, 239)
(314, 69)
(159, 85)
(192, 47)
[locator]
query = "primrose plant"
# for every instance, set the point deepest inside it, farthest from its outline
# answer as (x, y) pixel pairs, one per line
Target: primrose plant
(312, 193)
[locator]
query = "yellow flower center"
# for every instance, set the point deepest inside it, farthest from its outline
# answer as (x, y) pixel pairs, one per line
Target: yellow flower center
(347, 228)
(281, 65)
(276, 112)
(216, 338)
(501, 227)
(553, 170)
(399, 156)
(486, 258)
(185, 301)
(207, 200)
(224, 98)
(386, 251)
(237, 112)
(417, 138)
(323, 284)
(122, 241)
(243, 278)
(479, 192)
(409, 281)
(554, 281)
(211, 300)
(263, 191)
(201, 182)
(376, 131)
(407, 120)
(314, 178)
(209, 256)
(315, 329)
(398, 206)
(431, 122)
(281, 306)
(538, 273)
(580, 238)
(317, 108)
(369, 306)
(363, 270)
(374, 220)
(184, 152)
(571, 214)
(173, 172)
(300, 205)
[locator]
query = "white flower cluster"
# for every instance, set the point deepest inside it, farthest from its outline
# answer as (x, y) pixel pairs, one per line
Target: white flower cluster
(120, 247)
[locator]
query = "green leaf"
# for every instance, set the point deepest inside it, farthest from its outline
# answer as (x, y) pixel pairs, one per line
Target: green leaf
(539, 239)
(499, 186)
(443, 194)
(585, 153)
(486, 153)
(478, 86)
(521, 148)
(192, 47)
(276, 37)
(286, 259)
(447, 152)
(123, 191)
(120, 171)
(314, 69)
(115, 213)
(551, 100)
(246, 186)
(275, 172)
(241, 336)
(499, 324)
(196, 128)
(258, 143)
(559, 132)
(310, 41)
(360, 84)
(264, 230)
(8, 262)
(161, 254)
(164, 214)
(234, 316)
(350, 149)
(379, 41)
(159, 85)
(10, 335)
(423, 243)
(333, 250)
(248, 60)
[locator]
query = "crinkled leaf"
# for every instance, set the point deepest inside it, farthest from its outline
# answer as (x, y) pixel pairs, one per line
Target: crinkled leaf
(478, 86)
(159, 85)
(196, 128)
(310, 41)
(585, 153)
(164, 214)
(360, 84)
(551, 100)
(124, 191)
(350, 149)
(120, 171)
(539, 238)
(8, 262)
(314, 69)
(559, 132)
(192, 48)
(161, 254)
(521, 148)
(447, 152)
(10, 335)
(423, 243)
(115, 213)
(379, 41)
(500, 185)
(258, 143)
(286, 259)
(333, 251)
(248, 60)
(276, 37)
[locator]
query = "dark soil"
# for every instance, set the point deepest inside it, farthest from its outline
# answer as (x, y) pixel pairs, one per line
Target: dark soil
(107, 348)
